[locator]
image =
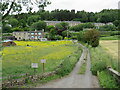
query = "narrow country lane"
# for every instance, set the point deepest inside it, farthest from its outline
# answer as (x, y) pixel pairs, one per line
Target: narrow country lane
(75, 80)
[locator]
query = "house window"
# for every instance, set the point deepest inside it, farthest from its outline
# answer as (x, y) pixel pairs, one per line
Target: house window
(39, 33)
(32, 37)
(39, 37)
(32, 33)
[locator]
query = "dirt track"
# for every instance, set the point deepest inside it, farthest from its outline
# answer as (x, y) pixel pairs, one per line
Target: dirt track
(75, 80)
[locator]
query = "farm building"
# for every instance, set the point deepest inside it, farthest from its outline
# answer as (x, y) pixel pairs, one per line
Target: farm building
(29, 35)
(8, 43)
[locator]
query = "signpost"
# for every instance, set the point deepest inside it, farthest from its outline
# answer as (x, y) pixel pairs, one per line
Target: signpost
(43, 61)
(34, 66)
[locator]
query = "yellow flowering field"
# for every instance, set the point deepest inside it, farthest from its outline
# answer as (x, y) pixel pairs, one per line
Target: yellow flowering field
(17, 60)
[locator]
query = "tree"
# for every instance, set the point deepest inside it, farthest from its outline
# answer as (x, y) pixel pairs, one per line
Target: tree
(108, 28)
(82, 15)
(6, 29)
(60, 27)
(80, 27)
(15, 5)
(48, 28)
(77, 28)
(17, 29)
(14, 22)
(40, 25)
(33, 19)
(92, 37)
(116, 23)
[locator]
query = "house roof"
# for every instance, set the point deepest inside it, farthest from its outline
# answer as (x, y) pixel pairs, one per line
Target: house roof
(7, 40)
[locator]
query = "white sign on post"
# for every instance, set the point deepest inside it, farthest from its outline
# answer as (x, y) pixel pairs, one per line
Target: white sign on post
(43, 60)
(34, 65)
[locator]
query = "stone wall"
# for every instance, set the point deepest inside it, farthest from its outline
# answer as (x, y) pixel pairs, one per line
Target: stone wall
(24, 80)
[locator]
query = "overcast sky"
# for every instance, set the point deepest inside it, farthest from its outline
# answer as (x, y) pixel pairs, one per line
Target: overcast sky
(87, 5)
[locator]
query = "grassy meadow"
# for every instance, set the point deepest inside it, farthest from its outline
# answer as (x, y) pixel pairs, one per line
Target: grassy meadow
(103, 56)
(111, 47)
(17, 59)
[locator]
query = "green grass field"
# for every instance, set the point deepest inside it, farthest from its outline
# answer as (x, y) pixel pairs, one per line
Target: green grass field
(116, 37)
(111, 47)
(17, 59)
(103, 56)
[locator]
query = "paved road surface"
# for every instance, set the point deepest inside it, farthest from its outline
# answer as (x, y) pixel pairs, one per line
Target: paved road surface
(75, 80)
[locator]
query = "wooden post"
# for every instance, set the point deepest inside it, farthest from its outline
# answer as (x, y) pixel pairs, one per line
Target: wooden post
(34, 70)
(43, 68)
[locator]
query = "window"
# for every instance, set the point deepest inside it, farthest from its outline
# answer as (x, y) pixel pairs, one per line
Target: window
(39, 33)
(32, 33)
(39, 37)
(32, 37)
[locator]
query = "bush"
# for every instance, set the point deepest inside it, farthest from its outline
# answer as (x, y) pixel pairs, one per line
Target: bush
(106, 80)
(108, 28)
(92, 37)
(80, 36)
(80, 27)
(65, 33)
(58, 37)
(98, 66)
(69, 63)
(66, 38)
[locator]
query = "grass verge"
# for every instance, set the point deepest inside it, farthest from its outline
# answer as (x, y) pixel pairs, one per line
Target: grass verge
(83, 68)
(100, 60)
(106, 80)
(110, 38)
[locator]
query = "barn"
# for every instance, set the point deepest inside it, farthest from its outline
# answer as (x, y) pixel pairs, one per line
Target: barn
(8, 43)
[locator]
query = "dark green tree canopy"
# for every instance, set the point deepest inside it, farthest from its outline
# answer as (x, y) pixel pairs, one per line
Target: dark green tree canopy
(40, 25)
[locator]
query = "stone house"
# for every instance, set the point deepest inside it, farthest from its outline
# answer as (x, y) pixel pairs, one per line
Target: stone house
(29, 35)
(71, 23)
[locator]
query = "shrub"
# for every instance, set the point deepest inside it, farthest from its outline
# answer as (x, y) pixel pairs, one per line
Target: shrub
(58, 37)
(98, 66)
(108, 28)
(69, 63)
(107, 81)
(66, 38)
(80, 36)
(80, 27)
(92, 37)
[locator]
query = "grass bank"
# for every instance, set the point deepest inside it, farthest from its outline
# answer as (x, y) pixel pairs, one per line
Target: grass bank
(100, 59)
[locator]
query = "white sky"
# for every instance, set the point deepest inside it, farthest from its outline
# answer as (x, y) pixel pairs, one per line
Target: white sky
(87, 5)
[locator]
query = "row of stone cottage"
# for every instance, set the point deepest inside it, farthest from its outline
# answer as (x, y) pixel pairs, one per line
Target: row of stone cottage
(37, 35)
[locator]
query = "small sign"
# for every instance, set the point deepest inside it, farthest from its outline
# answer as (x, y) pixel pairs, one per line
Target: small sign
(34, 65)
(43, 60)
